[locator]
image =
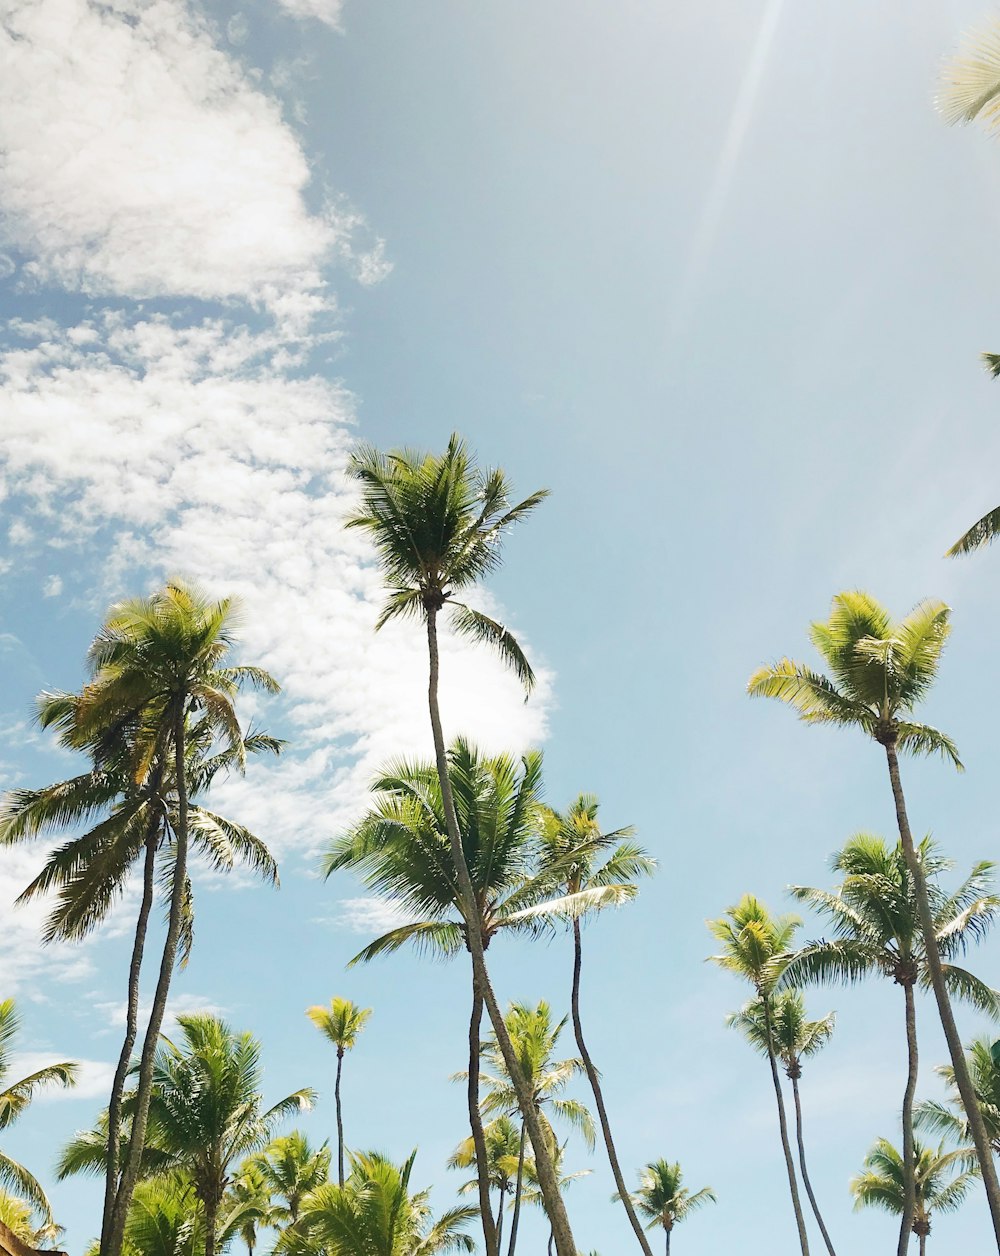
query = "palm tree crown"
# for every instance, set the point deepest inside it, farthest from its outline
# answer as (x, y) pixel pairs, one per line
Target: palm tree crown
(793, 1036)
(341, 1022)
(983, 1057)
(663, 1200)
(942, 1180)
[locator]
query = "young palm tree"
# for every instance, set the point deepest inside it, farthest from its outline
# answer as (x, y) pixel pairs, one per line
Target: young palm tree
(881, 669)
(15, 1096)
(755, 945)
(943, 1179)
(949, 1120)
(374, 1214)
(598, 870)
(290, 1169)
(503, 1144)
(438, 523)
(341, 1023)
(401, 850)
(664, 1201)
(794, 1039)
(876, 925)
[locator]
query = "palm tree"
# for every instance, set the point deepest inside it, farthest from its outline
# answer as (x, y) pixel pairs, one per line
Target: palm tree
(984, 1067)
(15, 1096)
(401, 850)
(16, 1216)
(532, 1194)
(881, 670)
(374, 1214)
(664, 1201)
(438, 523)
(502, 1153)
(795, 1039)
(939, 1188)
(290, 1170)
(876, 926)
(598, 869)
(89, 872)
(534, 1038)
(341, 1023)
(249, 1198)
(755, 944)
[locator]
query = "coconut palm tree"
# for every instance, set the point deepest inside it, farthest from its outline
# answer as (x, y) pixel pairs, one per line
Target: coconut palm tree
(794, 1039)
(664, 1201)
(438, 522)
(249, 1199)
(290, 1169)
(401, 850)
(532, 1194)
(341, 1023)
(876, 927)
(15, 1096)
(598, 870)
(755, 945)
(949, 1119)
(503, 1143)
(374, 1214)
(942, 1179)
(881, 670)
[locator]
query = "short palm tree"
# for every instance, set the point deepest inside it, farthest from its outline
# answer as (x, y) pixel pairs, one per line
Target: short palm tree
(949, 1119)
(290, 1169)
(881, 670)
(876, 927)
(249, 1199)
(503, 1143)
(663, 1201)
(794, 1039)
(755, 945)
(598, 870)
(341, 1023)
(943, 1179)
(438, 523)
(374, 1214)
(15, 1096)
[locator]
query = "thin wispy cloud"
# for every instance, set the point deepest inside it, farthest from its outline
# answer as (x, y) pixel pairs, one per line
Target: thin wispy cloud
(329, 12)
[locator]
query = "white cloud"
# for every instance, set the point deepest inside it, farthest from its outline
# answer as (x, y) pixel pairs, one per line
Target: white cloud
(93, 1077)
(112, 1014)
(370, 916)
(139, 159)
(52, 587)
(326, 11)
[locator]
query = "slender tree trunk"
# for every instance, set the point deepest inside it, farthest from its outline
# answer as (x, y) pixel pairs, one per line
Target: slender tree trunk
(340, 1117)
(211, 1221)
(548, 1181)
(516, 1217)
(923, 1244)
(491, 1235)
(595, 1086)
(131, 1029)
(552, 1239)
(962, 1079)
(799, 1138)
(783, 1129)
(666, 1248)
(909, 1158)
(137, 1141)
(498, 1225)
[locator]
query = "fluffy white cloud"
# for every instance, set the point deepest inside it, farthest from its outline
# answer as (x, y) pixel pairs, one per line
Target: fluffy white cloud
(139, 159)
(371, 916)
(328, 12)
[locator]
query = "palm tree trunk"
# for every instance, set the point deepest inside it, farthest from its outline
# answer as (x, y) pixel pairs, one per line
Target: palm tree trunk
(211, 1221)
(909, 1159)
(131, 1029)
(498, 1225)
(491, 1236)
(137, 1141)
(595, 1086)
(516, 1217)
(548, 1181)
(962, 1079)
(667, 1245)
(800, 1220)
(802, 1165)
(923, 1244)
(340, 1117)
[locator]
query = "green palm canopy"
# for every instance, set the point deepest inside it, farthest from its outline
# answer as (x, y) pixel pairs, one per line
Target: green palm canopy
(664, 1201)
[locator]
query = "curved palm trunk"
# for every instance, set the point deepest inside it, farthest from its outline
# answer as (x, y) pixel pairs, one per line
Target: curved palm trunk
(517, 1191)
(137, 1141)
(800, 1140)
(548, 1181)
(131, 1030)
(793, 1187)
(962, 1079)
(909, 1162)
(498, 1225)
(340, 1117)
(595, 1086)
(491, 1234)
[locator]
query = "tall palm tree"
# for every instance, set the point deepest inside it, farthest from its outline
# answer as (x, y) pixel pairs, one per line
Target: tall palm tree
(795, 1039)
(534, 1037)
(374, 1214)
(15, 1096)
(89, 872)
(401, 850)
(664, 1201)
(881, 670)
(291, 1169)
(438, 522)
(942, 1178)
(755, 945)
(341, 1023)
(598, 869)
(949, 1119)
(876, 926)
(503, 1143)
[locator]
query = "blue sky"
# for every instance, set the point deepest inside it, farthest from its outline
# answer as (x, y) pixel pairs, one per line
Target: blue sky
(718, 276)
